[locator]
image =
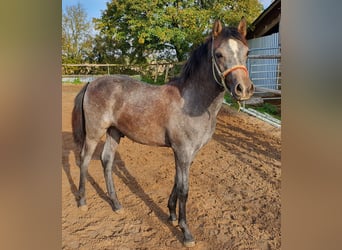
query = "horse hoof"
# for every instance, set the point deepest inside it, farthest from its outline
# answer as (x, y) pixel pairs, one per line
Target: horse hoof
(84, 208)
(189, 244)
(173, 222)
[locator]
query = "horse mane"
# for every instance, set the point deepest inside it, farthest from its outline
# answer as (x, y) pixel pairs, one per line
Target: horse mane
(196, 58)
(203, 52)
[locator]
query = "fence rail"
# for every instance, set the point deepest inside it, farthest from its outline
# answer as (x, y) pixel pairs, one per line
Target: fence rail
(84, 72)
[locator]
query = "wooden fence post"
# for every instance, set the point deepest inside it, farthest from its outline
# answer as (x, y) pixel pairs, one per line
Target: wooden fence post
(166, 73)
(156, 77)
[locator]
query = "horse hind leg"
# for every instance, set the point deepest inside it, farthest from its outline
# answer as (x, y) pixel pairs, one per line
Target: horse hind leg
(107, 158)
(86, 154)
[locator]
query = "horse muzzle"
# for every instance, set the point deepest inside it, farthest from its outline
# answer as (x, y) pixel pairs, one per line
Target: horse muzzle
(242, 87)
(243, 90)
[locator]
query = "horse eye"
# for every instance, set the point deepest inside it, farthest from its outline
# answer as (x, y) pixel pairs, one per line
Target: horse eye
(218, 55)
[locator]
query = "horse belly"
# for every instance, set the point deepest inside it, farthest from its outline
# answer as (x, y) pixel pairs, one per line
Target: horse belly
(142, 130)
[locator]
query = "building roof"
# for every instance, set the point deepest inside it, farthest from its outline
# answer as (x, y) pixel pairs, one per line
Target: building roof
(267, 23)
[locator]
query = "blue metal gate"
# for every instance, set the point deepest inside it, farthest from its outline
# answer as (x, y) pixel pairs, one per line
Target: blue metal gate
(264, 62)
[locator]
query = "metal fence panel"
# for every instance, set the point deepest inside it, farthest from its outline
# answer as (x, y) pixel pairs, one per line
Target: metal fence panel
(264, 61)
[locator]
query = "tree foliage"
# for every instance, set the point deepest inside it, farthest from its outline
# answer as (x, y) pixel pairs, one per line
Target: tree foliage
(77, 43)
(134, 31)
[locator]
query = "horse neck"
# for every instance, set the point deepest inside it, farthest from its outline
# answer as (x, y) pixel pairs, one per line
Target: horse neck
(201, 93)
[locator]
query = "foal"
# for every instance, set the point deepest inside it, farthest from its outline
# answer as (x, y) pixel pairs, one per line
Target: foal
(180, 114)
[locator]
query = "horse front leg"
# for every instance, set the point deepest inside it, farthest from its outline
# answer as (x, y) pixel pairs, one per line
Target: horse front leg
(172, 204)
(183, 162)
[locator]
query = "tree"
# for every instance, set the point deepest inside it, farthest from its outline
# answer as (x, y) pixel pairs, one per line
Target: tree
(135, 31)
(77, 41)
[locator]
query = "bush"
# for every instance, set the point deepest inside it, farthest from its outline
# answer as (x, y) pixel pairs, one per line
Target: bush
(150, 79)
(76, 81)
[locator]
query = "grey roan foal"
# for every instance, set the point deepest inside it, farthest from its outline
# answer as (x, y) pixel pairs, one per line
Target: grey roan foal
(180, 114)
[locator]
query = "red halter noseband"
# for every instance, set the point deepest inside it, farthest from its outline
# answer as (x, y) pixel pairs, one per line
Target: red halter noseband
(228, 71)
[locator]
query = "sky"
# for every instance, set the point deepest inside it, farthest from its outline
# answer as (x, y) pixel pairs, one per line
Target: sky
(94, 7)
(265, 3)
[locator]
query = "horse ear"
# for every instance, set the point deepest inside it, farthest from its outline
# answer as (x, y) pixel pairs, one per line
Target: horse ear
(217, 28)
(242, 28)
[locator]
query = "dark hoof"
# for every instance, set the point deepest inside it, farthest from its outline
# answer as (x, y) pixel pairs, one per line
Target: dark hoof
(116, 207)
(189, 243)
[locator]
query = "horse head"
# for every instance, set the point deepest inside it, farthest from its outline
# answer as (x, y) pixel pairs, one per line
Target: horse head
(229, 55)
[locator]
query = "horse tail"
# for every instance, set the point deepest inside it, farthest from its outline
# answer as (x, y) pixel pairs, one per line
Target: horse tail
(77, 120)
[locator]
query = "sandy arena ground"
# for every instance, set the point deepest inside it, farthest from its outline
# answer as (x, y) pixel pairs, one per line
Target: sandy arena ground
(234, 197)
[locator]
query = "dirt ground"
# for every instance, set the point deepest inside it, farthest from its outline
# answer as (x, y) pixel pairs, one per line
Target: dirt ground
(234, 197)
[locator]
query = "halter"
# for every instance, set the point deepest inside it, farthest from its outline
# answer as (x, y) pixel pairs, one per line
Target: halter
(226, 72)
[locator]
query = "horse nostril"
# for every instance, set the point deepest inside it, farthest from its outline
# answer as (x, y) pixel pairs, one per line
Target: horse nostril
(238, 89)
